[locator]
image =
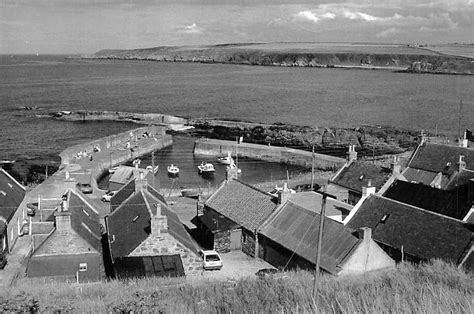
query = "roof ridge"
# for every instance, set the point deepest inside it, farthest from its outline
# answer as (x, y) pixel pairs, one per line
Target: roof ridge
(420, 209)
(84, 200)
(252, 187)
(13, 179)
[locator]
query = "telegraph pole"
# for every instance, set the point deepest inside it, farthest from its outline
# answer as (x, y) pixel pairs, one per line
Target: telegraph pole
(312, 170)
(320, 242)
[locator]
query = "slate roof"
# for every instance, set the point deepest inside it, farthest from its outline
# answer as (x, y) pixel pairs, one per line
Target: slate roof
(423, 234)
(11, 195)
(460, 179)
(84, 236)
(122, 194)
(358, 173)
(455, 204)
(245, 205)
(441, 158)
(85, 220)
(122, 175)
(297, 229)
(129, 225)
(313, 201)
(422, 176)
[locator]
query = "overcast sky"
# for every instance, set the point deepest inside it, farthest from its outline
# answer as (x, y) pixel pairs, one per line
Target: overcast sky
(86, 26)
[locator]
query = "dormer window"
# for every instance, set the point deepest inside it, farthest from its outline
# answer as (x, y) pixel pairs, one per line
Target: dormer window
(10, 185)
(136, 218)
(384, 218)
(361, 177)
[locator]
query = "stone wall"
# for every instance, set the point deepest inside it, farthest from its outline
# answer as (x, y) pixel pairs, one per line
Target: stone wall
(248, 242)
(222, 241)
(290, 156)
(166, 244)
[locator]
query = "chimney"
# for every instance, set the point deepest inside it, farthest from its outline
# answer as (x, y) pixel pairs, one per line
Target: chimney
(368, 190)
(461, 163)
(62, 216)
(284, 194)
(396, 168)
(159, 222)
(464, 142)
(140, 182)
(365, 234)
(351, 154)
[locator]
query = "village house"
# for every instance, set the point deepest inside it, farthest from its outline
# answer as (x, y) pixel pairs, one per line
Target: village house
(146, 237)
(441, 166)
(346, 185)
(232, 215)
(12, 219)
(73, 250)
(289, 240)
(411, 233)
(457, 203)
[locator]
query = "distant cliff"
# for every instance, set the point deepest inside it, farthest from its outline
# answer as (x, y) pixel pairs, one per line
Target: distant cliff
(395, 57)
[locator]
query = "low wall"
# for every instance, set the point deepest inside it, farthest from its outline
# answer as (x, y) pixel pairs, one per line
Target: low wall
(267, 153)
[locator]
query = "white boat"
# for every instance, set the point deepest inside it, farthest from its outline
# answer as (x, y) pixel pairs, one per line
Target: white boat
(226, 160)
(151, 169)
(173, 170)
(278, 190)
(206, 167)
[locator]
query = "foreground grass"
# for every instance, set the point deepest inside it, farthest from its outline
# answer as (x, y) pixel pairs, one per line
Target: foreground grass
(430, 288)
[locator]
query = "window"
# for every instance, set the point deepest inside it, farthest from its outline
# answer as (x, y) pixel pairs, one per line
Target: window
(83, 267)
(244, 238)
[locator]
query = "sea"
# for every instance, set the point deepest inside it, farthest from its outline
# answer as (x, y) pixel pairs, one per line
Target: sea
(302, 96)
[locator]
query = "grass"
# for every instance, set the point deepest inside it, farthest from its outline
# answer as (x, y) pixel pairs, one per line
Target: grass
(434, 287)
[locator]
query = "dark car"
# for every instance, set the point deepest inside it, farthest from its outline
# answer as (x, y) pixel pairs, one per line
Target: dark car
(270, 272)
(85, 188)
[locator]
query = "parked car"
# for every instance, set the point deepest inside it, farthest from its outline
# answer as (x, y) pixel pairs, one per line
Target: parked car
(85, 188)
(31, 209)
(211, 260)
(108, 196)
(25, 228)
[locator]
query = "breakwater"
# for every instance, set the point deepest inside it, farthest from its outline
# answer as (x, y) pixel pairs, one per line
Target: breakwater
(210, 147)
(143, 118)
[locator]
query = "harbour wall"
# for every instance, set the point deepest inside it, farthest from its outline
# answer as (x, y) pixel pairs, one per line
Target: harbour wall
(210, 147)
(142, 140)
(120, 116)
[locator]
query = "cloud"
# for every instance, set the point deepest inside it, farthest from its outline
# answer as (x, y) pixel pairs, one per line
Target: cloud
(191, 29)
(307, 15)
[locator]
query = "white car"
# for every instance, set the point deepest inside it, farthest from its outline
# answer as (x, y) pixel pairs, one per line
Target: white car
(211, 260)
(107, 196)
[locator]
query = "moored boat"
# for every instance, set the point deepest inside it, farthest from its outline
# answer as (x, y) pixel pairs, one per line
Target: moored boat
(173, 170)
(206, 167)
(191, 193)
(226, 160)
(151, 169)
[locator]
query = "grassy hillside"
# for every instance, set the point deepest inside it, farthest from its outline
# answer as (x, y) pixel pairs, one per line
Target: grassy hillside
(430, 288)
(305, 55)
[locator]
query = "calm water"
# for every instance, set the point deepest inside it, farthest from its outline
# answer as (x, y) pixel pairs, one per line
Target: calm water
(324, 97)
(181, 154)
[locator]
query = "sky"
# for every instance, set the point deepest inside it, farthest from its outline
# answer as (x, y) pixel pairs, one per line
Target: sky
(87, 26)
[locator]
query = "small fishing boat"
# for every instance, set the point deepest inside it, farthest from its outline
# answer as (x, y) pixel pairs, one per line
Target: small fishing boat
(226, 160)
(173, 170)
(151, 169)
(7, 162)
(206, 168)
(191, 193)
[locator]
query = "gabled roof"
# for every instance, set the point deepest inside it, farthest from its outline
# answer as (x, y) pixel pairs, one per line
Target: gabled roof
(460, 179)
(455, 204)
(245, 205)
(358, 173)
(313, 201)
(297, 229)
(441, 158)
(422, 176)
(129, 224)
(122, 194)
(422, 234)
(11, 195)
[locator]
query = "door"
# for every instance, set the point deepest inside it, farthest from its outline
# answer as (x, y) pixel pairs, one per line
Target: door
(236, 239)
